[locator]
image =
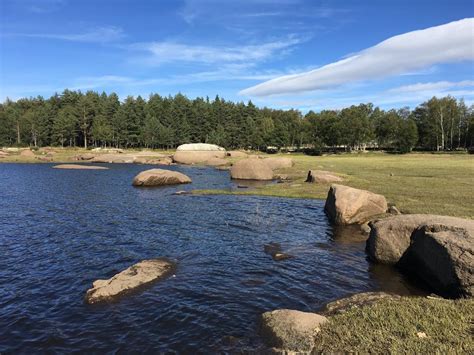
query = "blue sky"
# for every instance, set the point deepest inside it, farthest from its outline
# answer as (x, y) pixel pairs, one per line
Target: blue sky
(316, 54)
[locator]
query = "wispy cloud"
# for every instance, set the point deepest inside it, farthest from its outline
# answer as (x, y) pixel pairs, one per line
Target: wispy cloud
(43, 6)
(166, 52)
(97, 35)
(411, 51)
(437, 86)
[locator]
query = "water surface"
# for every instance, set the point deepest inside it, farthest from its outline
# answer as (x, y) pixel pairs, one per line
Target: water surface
(62, 229)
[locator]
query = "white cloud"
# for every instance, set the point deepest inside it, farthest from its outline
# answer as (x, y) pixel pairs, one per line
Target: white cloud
(452, 42)
(433, 86)
(166, 52)
(99, 35)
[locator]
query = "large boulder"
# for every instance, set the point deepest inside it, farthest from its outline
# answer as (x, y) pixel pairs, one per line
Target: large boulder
(136, 275)
(160, 177)
(251, 169)
(199, 147)
(322, 177)
(289, 330)
(279, 163)
(79, 167)
(346, 205)
(390, 237)
(443, 256)
(27, 153)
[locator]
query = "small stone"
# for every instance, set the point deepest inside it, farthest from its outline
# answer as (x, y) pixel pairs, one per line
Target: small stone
(421, 335)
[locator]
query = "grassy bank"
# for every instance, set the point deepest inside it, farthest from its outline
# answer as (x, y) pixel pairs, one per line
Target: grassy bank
(416, 183)
(391, 326)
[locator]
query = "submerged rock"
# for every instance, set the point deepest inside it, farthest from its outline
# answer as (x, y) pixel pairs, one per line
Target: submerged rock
(251, 169)
(160, 177)
(347, 205)
(275, 251)
(322, 177)
(135, 276)
(290, 330)
(79, 167)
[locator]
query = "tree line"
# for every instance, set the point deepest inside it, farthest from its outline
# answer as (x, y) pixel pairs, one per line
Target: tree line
(93, 119)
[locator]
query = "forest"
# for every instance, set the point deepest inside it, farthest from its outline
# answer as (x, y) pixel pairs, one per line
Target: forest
(91, 119)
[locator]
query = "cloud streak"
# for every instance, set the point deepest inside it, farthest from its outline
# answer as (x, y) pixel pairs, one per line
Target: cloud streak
(95, 35)
(411, 51)
(170, 52)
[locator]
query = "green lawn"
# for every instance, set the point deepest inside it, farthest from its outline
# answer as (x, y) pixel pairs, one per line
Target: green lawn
(416, 183)
(391, 326)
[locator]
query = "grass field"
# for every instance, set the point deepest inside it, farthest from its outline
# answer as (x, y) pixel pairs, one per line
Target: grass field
(391, 327)
(415, 183)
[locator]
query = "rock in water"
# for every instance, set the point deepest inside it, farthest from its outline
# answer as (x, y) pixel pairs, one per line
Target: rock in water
(79, 167)
(290, 330)
(346, 205)
(443, 256)
(322, 177)
(160, 177)
(278, 163)
(136, 275)
(251, 169)
(390, 237)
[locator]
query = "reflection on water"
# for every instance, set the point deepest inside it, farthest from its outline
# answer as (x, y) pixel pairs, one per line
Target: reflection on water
(62, 229)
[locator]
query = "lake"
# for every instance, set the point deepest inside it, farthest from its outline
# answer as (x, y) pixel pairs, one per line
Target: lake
(62, 229)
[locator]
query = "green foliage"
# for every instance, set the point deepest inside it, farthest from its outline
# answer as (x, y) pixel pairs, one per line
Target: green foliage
(88, 119)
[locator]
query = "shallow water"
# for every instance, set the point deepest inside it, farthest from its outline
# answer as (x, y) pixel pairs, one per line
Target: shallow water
(62, 229)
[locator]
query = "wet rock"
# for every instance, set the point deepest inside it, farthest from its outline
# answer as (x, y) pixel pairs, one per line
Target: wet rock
(346, 205)
(275, 251)
(322, 177)
(160, 177)
(443, 256)
(290, 330)
(251, 169)
(390, 237)
(79, 167)
(355, 301)
(131, 278)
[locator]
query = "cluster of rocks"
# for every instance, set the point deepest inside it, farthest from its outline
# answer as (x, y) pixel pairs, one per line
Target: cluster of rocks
(437, 249)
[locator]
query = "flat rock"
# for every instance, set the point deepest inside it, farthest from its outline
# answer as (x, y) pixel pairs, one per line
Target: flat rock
(290, 330)
(135, 276)
(347, 205)
(237, 154)
(251, 169)
(160, 177)
(322, 177)
(79, 167)
(390, 237)
(355, 301)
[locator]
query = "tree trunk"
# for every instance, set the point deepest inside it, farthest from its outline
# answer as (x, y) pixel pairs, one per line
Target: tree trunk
(18, 135)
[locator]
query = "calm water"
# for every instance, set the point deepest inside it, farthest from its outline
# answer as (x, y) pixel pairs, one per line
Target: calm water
(62, 229)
